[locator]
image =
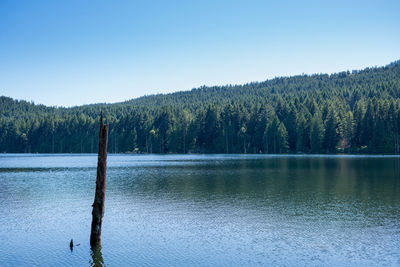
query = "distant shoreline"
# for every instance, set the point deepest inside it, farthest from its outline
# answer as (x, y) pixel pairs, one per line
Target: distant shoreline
(220, 154)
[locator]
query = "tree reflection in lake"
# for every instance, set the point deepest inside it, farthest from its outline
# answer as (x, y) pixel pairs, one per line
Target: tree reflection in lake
(203, 210)
(97, 257)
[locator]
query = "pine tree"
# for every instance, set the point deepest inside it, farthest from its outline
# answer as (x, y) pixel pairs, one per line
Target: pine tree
(331, 137)
(317, 133)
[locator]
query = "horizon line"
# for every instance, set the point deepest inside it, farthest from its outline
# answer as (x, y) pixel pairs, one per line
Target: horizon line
(397, 61)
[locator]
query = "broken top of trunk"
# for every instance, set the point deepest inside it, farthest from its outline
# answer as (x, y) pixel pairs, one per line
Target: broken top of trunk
(99, 198)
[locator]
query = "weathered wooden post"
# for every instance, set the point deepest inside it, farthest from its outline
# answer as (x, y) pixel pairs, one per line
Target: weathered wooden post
(99, 198)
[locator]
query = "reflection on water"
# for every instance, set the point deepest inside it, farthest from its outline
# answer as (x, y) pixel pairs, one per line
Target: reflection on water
(203, 210)
(97, 257)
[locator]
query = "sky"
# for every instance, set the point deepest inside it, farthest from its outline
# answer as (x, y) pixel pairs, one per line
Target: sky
(67, 53)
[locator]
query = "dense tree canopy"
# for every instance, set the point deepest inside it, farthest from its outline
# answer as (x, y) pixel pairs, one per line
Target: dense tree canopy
(347, 112)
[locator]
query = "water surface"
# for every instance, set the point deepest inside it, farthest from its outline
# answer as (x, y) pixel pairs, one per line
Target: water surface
(202, 210)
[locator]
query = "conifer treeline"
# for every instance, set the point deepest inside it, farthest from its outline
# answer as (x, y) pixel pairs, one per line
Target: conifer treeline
(347, 112)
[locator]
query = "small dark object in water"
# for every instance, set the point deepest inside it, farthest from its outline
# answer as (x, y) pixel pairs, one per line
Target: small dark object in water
(71, 245)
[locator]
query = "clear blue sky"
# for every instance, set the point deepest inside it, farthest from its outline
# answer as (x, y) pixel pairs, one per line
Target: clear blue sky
(78, 52)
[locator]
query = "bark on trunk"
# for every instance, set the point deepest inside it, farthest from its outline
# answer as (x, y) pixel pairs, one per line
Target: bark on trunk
(99, 198)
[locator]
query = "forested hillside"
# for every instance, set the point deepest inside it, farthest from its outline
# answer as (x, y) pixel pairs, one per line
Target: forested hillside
(347, 112)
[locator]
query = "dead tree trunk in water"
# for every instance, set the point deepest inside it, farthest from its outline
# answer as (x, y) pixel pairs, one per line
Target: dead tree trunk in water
(99, 198)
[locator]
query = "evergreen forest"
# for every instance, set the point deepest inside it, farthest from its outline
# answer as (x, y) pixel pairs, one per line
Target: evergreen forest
(348, 112)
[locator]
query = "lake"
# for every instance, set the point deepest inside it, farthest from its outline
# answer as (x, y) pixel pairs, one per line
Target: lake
(202, 210)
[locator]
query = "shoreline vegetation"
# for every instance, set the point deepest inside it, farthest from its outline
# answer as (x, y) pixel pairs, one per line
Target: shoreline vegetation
(355, 112)
(221, 154)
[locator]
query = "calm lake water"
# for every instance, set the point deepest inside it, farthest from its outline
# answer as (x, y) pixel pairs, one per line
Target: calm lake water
(202, 210)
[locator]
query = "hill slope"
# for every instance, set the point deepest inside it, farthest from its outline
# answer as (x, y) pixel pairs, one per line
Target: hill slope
(351, 112)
